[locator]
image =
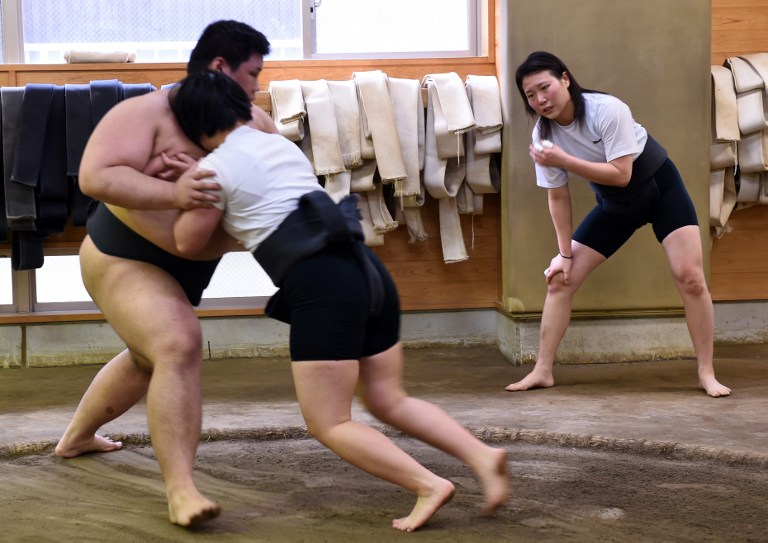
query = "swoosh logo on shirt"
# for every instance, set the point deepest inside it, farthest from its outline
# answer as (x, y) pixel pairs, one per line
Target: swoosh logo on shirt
(597, 141)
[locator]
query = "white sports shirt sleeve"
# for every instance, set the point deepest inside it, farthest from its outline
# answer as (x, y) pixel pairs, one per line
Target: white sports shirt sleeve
(607, 132)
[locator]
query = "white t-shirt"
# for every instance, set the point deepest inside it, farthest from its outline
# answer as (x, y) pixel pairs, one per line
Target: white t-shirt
(262, 177)
(607, 132)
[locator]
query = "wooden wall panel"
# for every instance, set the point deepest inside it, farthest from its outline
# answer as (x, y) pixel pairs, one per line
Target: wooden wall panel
(738, 27)
(739, 259)
(426, 282)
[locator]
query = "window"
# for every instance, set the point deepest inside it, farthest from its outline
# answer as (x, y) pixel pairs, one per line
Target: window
(6, 283)
(59, 280)
(37, 31)
(397, 28)
(238, 282)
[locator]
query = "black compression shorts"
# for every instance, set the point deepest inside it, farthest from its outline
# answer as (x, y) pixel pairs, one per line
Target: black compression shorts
(112, 237)
(327, 294)
(667, 211)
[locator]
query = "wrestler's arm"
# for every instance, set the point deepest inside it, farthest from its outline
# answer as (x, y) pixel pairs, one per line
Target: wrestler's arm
(120, 149)
(194, 229)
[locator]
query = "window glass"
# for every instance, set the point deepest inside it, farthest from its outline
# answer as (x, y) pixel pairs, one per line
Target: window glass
(375, 28)
(158, 31)
(2, 36)
(166, 31)
(6, 282)
(238, 275)
(59, 280)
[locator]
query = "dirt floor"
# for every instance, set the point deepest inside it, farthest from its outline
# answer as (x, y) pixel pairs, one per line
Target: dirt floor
(629, 452)
(294, 490)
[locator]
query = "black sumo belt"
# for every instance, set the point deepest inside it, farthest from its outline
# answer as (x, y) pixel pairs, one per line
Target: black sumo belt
(317, 223)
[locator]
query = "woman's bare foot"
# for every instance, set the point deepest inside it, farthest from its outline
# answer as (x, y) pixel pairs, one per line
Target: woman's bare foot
(493, 475)
(713, 387)
(425, 507)
(535, 379)
(67, 448)
(191, 511)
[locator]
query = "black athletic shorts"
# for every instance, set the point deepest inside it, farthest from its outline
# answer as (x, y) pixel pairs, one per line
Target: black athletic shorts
(327, 294)
(605, 230)
(112, 237)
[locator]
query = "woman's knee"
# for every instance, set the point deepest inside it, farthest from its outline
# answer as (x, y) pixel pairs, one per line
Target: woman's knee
(690, 280)
(320, 429)
(557, 286)
(382, 403)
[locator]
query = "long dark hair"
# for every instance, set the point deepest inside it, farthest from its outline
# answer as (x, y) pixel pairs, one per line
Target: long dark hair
(541, 61)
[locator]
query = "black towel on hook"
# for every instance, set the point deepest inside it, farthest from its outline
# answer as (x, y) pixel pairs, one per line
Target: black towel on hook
(52, 190)
(104, 95)
(131, 90)
(3, 222)
(27, 251)
(19, 209)
(33, 122)
(79, 122)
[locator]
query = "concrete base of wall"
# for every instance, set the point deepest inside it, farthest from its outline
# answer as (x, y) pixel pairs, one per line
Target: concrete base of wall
(599, 340)
(587, 340)
(81, 343)
(741, 322)
(629, 339)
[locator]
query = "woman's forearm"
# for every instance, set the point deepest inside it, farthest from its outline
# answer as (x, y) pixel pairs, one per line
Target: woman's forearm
(560, 210)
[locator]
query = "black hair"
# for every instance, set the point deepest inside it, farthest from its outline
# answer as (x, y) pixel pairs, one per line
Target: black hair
(541, 61)
(233, 41)
(208, 102)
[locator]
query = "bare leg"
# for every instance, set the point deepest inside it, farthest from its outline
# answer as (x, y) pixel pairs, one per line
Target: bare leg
(325, 391)
(117, 387)
(150, 312)
(556, 316)
(683, 248)
(383, 393)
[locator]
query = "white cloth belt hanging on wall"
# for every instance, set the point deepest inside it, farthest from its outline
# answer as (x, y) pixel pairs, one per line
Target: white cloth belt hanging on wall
(725, 119)
(753, 152)
(749, 95)
(449, 116)
(722, 160)
(722, 196)
(344, 97)
(483, 176)
(371, 131)
(409, 121)
(738, 159)
(749, 188)
(288, 111)
(321, 117)
(379, 118)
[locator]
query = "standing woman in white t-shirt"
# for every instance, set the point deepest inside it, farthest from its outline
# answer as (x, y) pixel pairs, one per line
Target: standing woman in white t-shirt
(592, 135)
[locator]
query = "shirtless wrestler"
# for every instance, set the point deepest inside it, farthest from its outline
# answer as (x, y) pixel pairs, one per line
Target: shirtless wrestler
(134, 274)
